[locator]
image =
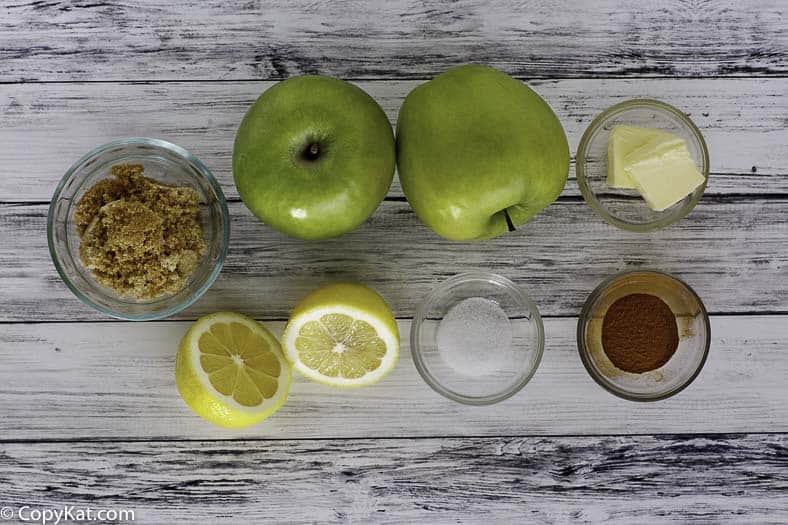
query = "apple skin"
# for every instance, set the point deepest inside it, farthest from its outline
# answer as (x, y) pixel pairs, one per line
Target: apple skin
(314, 198)
(474, 144)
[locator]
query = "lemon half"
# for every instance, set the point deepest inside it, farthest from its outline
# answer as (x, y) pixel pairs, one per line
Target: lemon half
(230, 370)
(342, 335)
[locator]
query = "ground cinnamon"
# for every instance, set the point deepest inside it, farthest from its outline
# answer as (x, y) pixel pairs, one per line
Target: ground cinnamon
(639, 333)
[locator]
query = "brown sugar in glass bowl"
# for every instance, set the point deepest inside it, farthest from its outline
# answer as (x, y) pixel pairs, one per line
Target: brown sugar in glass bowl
(661, 370)
(168, 165)
(139, 237)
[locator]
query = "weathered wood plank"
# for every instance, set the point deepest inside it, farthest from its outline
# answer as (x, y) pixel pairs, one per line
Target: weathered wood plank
(46, 127)
(634, 479)
(116, 380)
(90, 381)
(393, 39)
(732, 252)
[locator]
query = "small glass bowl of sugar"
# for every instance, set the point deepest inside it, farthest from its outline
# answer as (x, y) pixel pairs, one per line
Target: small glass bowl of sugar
(477, 338)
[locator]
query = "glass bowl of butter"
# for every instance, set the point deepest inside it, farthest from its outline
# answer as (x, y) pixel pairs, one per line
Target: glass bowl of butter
(642, 165)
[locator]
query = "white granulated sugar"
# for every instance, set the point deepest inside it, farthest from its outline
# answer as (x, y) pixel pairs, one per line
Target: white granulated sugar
(475, 337)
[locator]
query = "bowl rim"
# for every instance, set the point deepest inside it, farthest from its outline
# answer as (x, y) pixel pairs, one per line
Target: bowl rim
(590, 197)
(421, 313)
(584, 317)
(186, 156)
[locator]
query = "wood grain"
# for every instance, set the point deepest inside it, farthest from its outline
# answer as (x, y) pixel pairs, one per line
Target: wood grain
(87, 381)
(636, 479)
(197, 40)
(731, 251)
(44, 128)
(89, 412)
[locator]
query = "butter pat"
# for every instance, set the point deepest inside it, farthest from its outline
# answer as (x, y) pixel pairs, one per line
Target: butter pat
(624, 140)
(663, 171)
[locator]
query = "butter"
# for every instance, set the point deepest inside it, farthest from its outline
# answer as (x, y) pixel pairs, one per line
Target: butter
(663, 171)
(623, 141)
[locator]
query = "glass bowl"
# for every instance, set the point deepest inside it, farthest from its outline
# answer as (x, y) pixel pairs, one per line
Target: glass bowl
(683, 366)
(477, 338)
(166, 163)
(625, 208)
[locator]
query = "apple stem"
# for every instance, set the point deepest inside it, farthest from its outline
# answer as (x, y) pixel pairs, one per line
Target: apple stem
(509, 222)
(310, 154)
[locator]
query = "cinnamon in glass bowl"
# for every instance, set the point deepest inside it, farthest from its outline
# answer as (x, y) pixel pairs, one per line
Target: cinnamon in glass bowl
(643, 335)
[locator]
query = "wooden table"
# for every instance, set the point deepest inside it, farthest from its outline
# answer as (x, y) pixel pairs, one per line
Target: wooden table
(89, 412)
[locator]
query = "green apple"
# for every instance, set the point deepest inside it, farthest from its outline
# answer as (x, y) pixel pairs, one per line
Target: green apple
(479, 153)
(313, 157)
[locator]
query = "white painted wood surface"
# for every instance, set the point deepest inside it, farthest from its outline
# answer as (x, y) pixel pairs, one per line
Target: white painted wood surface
(609, 479)
(730, 249)
(89, 414)
(116, 380)
(217, 40)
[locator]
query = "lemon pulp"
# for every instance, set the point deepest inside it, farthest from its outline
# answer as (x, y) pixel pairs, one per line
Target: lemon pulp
(231, 371)
(239, 363)
(337, 345)
(342, 335)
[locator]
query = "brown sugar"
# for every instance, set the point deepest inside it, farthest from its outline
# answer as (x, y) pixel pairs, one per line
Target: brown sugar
(141, 238)
(639, 333)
